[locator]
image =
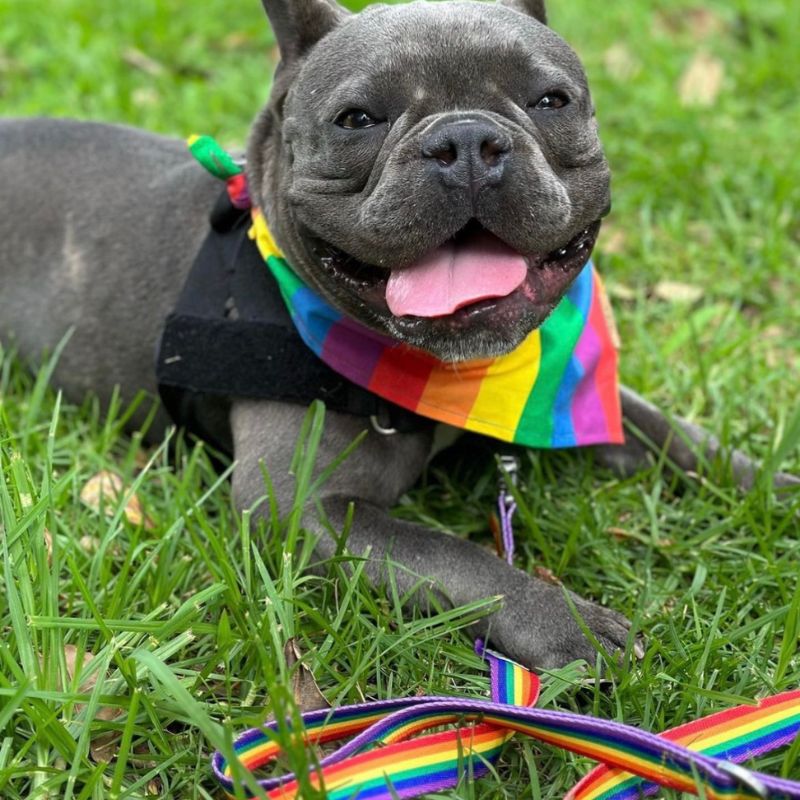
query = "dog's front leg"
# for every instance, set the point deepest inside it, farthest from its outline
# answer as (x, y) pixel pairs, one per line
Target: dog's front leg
(686, 445)
(534, 625)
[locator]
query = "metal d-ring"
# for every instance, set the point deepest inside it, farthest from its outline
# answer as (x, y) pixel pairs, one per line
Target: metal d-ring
(380, 429)
(745, 778)
(508, 467)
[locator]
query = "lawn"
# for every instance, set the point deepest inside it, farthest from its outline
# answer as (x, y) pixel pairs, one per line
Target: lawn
(141, 630)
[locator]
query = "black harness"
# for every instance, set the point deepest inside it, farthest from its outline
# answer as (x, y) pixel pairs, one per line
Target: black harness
(230, 335)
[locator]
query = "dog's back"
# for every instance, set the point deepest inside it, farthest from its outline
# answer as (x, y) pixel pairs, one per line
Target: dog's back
(75, 196)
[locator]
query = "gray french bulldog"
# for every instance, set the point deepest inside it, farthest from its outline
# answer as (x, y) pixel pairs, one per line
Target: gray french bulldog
(390, 135)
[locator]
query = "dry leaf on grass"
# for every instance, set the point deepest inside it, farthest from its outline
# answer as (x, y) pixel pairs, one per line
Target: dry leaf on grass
(144, 63)
(776, 333)
(618, 533)
(48, 545)
(701, 232)
(612, 240)
(71, 660)
(701, 81)
(703, 23)
(145, 97)
(677, 292)
(620, 62)
(89, 544)
(105, 489)
(700, 23)
(548, 576)
(497, 536)
(102, 489)
(236, 40)
(144, 456)
(778, 349)
(304, 688)
(103, 746)
(620, 291)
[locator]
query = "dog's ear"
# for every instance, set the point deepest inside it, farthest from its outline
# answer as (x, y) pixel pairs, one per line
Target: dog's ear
(299, 24)
(533, 8)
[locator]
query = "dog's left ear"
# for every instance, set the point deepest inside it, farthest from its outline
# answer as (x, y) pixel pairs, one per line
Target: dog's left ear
(299, 24)
(533, 8)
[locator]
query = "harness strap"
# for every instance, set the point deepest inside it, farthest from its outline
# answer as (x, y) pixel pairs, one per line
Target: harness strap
(231, 336)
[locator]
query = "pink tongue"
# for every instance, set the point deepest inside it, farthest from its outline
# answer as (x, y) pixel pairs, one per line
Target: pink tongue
(456, 275)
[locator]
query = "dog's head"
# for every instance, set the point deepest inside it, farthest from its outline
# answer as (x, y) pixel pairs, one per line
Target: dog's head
(431, 169)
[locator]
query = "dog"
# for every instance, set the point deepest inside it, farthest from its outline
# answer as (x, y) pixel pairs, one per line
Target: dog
(388, 134)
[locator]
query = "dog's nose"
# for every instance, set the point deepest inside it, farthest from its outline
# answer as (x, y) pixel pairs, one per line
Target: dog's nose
(467, 153)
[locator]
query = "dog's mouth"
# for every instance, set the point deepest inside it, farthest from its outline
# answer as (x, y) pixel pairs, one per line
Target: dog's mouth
(470, 275)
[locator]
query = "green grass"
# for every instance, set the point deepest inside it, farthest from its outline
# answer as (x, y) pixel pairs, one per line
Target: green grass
(186, 618)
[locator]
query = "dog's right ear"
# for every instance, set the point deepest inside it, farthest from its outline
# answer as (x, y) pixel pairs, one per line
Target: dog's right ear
(299, 24)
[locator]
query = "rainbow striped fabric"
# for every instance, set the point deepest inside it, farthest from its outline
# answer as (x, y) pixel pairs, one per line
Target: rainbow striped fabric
(383, 762)
(559, 388)
(736, 734)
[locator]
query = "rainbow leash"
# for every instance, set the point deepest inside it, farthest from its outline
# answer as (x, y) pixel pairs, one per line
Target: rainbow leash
(382, 762)
(734, 735)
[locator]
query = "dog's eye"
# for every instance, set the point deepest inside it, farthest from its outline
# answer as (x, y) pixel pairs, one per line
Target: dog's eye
(551, 101)
(355, 119)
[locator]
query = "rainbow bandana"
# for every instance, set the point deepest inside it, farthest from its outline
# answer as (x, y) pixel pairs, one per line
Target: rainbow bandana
(557, 389)
(387, 758)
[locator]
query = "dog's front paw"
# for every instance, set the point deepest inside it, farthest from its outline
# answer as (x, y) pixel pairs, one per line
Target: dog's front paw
(538, 628)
